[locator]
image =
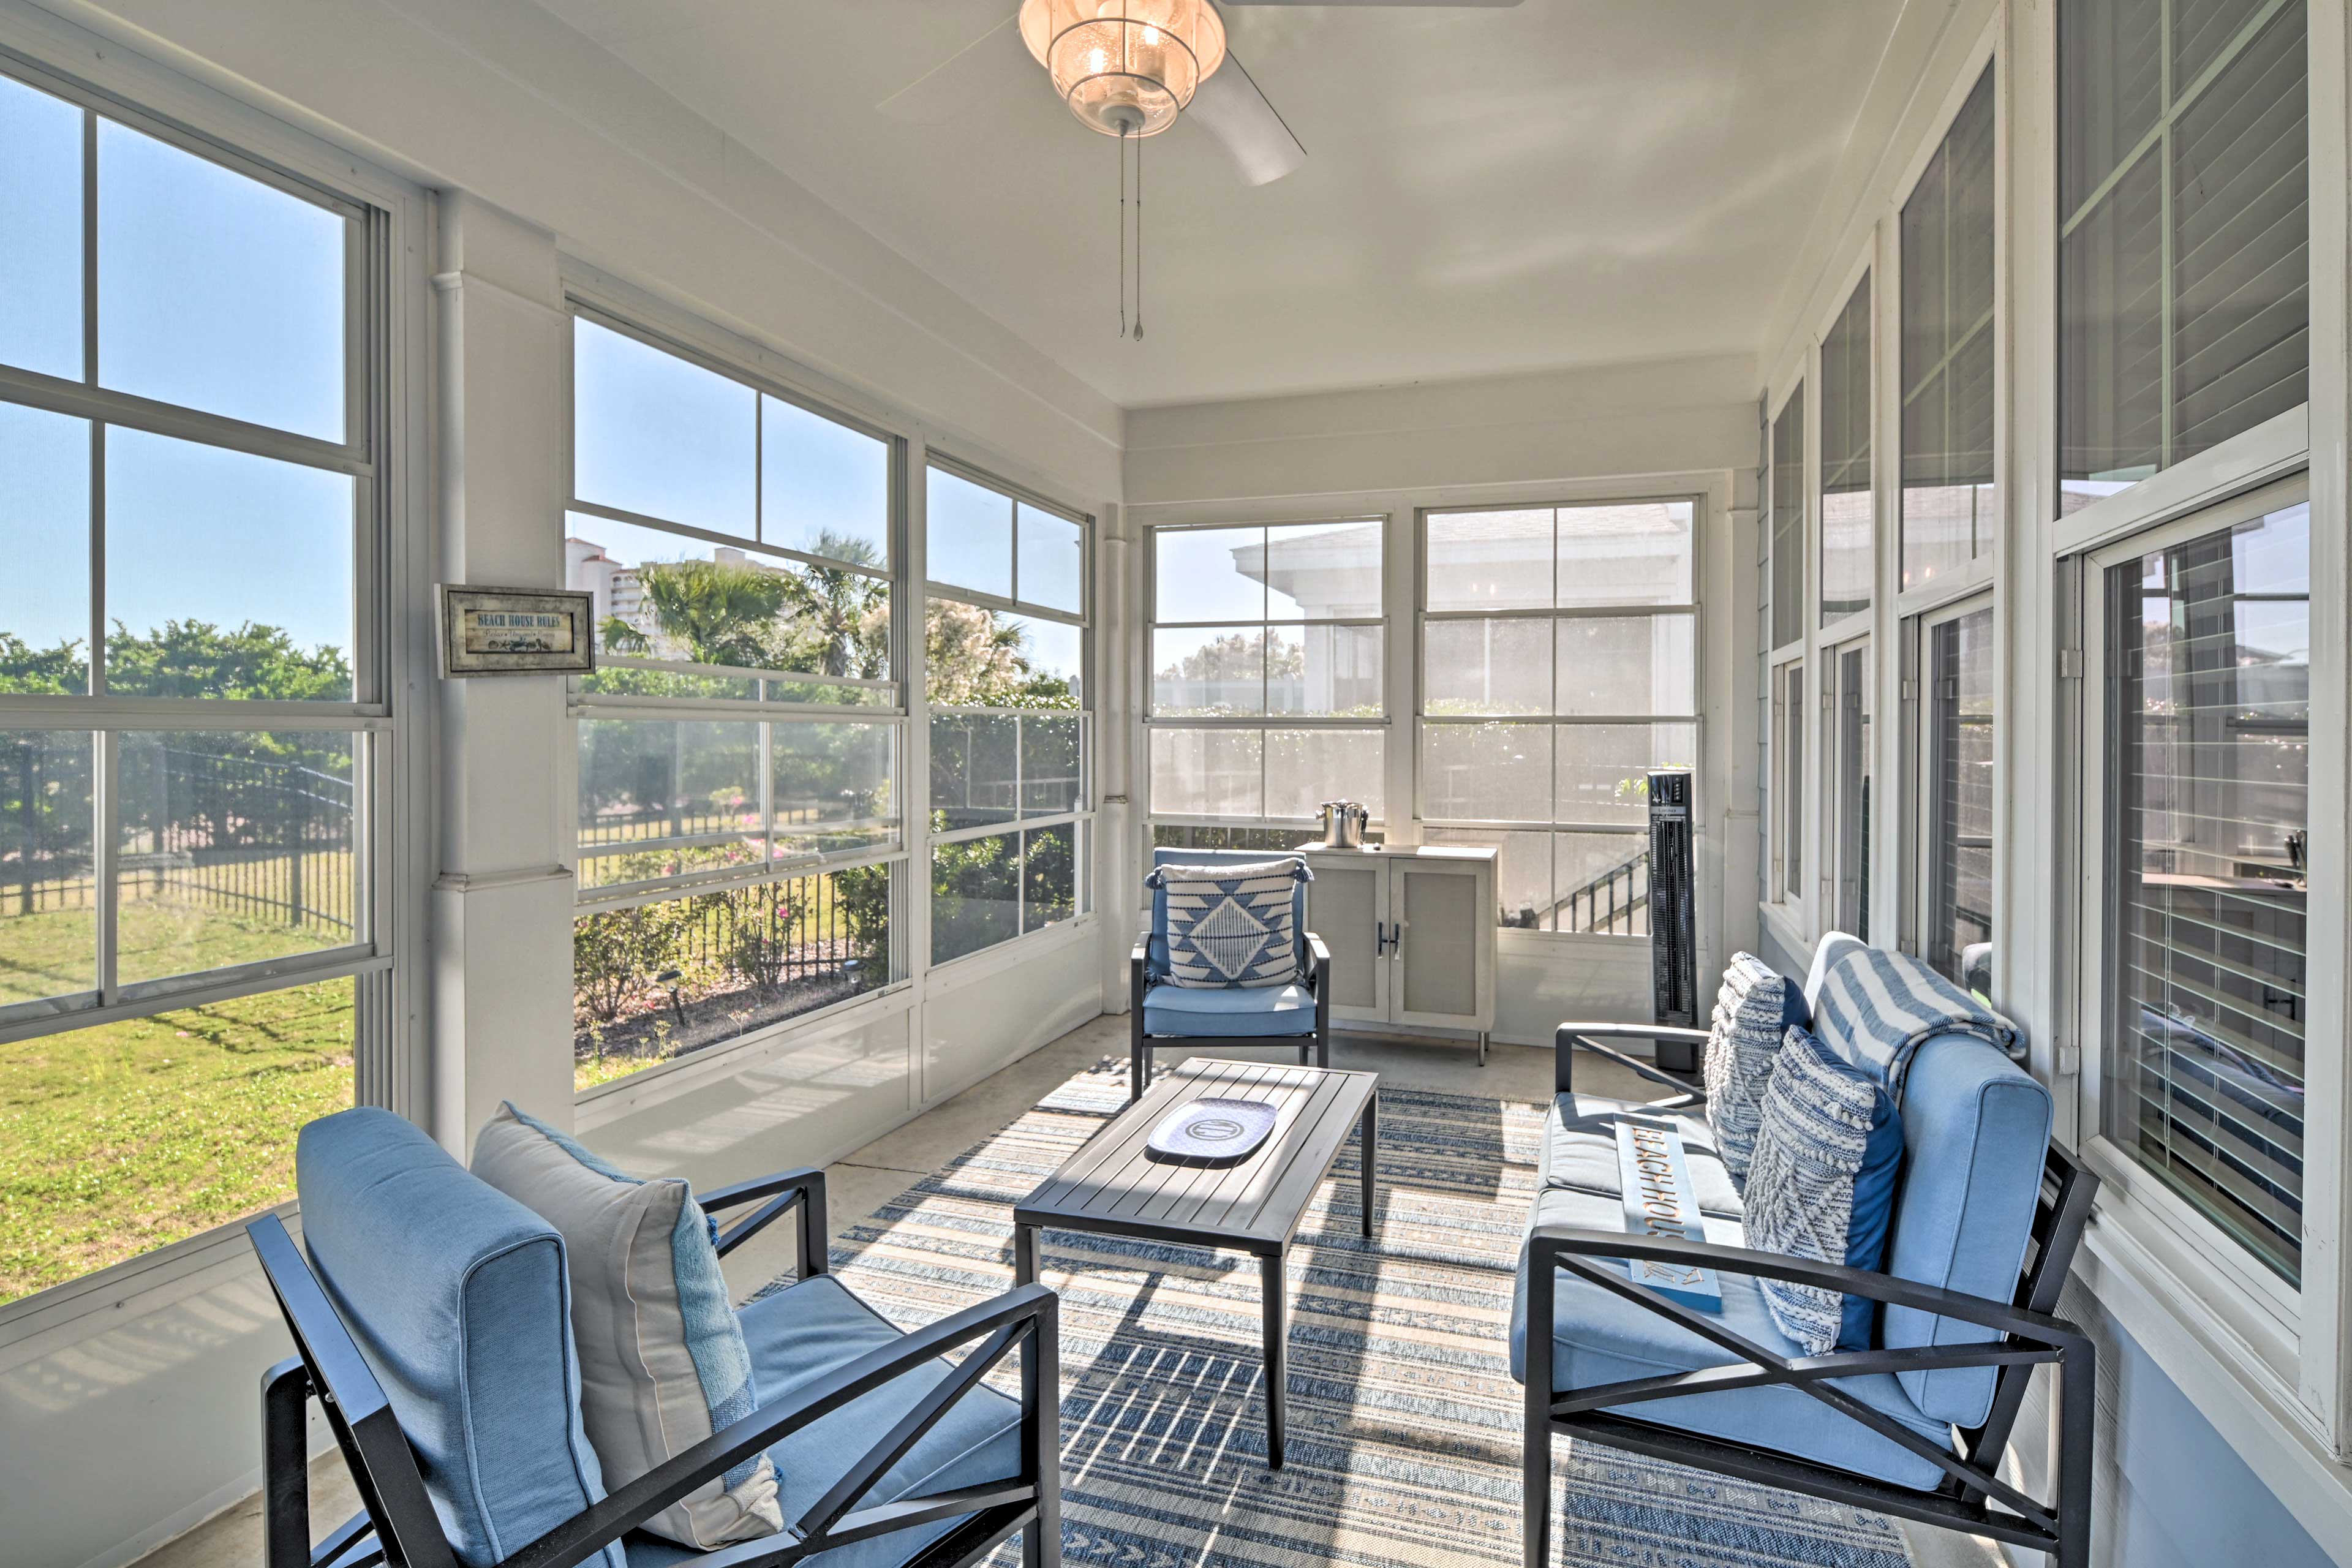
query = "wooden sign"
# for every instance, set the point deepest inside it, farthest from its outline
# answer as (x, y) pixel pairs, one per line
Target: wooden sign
(516, 631)
(1655, 1178)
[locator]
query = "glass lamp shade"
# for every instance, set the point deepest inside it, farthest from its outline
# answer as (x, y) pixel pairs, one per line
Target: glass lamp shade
(1126, 67)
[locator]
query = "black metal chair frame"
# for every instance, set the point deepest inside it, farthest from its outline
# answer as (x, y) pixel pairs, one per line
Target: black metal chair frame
(1971, 1496)
(1314, 1049)
(397, 1525)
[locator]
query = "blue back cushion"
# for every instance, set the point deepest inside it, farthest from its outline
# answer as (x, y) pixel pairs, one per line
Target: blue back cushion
(1165, 857)
(1976, 1128)
(457, 1297)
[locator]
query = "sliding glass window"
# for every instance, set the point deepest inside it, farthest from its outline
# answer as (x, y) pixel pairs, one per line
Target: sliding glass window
(741, 743)
(1559, 668)
(1268, 661)
(1787, 495)
(1950, 504)
(1956, 764)
(2184, 263)
(2206, 818)
(196, 717)
(1005, 624)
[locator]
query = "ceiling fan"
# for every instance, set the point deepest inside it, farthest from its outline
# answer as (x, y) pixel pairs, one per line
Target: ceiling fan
(1086, 44)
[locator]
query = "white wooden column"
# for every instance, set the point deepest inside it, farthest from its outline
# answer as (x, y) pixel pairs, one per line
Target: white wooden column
(501, 900)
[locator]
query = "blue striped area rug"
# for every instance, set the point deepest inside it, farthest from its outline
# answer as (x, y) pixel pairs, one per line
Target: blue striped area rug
(1404, 1421)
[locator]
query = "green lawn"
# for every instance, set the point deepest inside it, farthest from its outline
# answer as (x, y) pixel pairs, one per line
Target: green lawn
(129, 1136)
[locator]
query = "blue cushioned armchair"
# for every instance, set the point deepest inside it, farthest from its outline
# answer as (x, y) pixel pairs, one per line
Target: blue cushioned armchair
(1987, 1216)
(431, 1321)
(1196, 1019)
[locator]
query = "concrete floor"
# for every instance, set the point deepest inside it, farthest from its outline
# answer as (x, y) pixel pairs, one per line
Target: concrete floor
(862, 1182)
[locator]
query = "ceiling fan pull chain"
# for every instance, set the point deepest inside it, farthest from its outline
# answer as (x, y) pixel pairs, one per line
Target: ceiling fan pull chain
(1122, 234)
(1138, 239)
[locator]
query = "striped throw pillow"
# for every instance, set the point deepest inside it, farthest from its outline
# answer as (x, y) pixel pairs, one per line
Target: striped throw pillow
(1231, 925)
(1829, 1148)
(1755, 1006)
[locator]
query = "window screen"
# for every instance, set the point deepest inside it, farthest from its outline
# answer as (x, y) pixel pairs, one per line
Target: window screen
(1788, 520)
(2184, 273)
(1846, 509)
(1946, 235)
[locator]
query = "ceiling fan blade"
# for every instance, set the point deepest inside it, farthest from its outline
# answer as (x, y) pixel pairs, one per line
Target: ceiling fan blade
(959, 84)
(1230, 107)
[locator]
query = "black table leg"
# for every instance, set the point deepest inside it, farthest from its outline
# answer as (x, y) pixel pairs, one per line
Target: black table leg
(1278, 1376)
(1024, 1254)
(1370, 1154)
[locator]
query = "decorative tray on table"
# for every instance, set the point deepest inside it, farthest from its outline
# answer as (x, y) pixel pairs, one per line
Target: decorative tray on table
(1211, 1133)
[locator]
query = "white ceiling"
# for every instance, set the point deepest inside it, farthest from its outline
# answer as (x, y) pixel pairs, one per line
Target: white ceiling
(1570, 182)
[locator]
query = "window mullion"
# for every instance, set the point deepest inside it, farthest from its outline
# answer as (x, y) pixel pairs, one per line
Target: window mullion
(107, 785)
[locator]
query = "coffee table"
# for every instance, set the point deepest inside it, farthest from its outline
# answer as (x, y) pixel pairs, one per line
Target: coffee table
(1111, 1187)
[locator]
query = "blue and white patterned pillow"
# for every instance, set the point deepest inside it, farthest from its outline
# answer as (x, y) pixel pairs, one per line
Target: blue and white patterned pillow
(1822, 1186)
(1755, 1008)
(1231, 925)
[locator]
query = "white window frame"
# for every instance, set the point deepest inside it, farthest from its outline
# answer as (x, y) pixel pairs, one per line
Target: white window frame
(1695, 720)
(1862, 272)
(2264, 1316)
(385, 347)
(593, 296)
(1918, 772)
(1384, 723)
(1081, 821)
(1789, 908)
(1836, 810)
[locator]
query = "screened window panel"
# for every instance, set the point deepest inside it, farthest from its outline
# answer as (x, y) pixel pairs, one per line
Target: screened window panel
(1209, 671)
(45, 530)
(1051, 561)
(968, 534)
(677, 598)
(659, 436)
(1851, 826)
(1949, 502)
(1320, 571)
(41, 232)
(1960, 799)
(1304, 768)
(655, 981)
(1602, 771)
(975, 895)
(49, 894)
(1494, 664)
(216, 291)
(2184, 303)
(1490, 561)
(1325, 671)
(824, 488)
(1788, 520)
(1207, 773)
(1486, 773)
(1625, 552)
(233, 847)
(975, 769)
(1626, 665)
(1049, 875)
(1209, 574)
(832, 787)
(2208, 727)
(1846, 504)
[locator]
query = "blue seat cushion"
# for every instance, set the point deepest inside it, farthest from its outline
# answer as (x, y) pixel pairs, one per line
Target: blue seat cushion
(803, 1333)
(1272, 1010)
(1976, 1128)
(1579, 1150)
(457, 1297)
(1599, 1337)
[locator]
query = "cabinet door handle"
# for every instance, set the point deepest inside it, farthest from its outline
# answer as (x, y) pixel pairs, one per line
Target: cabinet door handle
(1380, 931)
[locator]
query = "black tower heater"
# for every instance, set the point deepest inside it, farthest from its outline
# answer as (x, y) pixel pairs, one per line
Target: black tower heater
(1673, 943)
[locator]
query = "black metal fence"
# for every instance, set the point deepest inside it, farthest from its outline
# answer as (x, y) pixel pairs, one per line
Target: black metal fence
(264, 840)
(1614, 903)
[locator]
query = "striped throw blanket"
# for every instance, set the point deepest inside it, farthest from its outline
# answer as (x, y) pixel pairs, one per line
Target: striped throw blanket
(1878, 1008)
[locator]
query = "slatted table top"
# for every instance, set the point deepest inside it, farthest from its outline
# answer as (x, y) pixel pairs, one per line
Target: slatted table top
(1111, 1186)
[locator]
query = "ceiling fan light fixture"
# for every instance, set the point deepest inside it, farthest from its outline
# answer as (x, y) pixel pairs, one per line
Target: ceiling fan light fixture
(1126, 67)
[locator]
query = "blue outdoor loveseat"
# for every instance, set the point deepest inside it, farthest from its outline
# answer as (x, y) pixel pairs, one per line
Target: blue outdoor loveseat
(1988, 1212)
(431, 1318)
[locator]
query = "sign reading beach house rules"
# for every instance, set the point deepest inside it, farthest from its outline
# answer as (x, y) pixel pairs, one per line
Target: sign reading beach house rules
(516, 631)
(1659, 1201)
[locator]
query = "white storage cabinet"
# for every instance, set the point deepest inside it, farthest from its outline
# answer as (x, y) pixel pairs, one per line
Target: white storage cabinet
(1411, 934)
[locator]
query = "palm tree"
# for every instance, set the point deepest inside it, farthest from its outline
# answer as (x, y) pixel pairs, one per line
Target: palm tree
(836, 630)
(722, 612)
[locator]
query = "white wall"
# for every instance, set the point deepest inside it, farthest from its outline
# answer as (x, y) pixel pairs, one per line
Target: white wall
(1671, 426)
(128, 1402)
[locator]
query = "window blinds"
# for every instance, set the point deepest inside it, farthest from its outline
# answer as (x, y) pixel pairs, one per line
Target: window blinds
(2208, 727)
(1947, 233)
